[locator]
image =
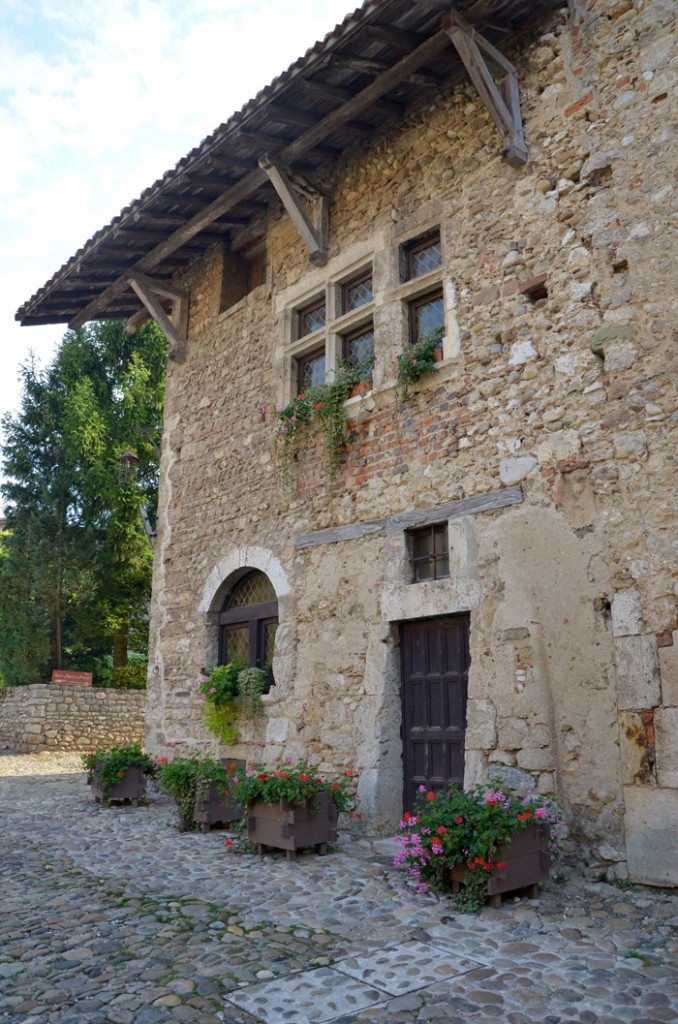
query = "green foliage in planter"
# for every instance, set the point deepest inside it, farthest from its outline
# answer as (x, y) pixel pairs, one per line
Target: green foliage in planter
(187, 778)
(319, 410)
(416, 361)
(470, 828)
(109, 765)
(298, 783)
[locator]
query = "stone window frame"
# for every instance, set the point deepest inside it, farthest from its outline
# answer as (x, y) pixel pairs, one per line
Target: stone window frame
(339, 324)
(413, 289)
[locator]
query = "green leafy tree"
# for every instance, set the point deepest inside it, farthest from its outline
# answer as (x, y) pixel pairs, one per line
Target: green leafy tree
(76, 570)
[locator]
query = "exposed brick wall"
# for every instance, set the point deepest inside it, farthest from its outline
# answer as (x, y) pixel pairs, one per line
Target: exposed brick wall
(54, 717)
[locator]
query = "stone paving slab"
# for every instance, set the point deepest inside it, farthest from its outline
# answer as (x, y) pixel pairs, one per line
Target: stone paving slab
(402, 969)
(111, 916)
(311, 997)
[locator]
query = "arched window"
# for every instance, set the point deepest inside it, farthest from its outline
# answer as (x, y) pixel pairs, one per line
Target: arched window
(248, 621)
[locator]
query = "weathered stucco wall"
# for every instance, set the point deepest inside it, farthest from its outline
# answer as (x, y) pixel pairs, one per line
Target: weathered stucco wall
(55, 717)
(572, 592)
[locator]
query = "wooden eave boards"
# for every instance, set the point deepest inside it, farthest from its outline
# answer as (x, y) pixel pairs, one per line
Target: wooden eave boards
(380, 60)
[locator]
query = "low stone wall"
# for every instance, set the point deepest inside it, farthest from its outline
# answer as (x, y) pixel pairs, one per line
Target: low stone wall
(54, 717)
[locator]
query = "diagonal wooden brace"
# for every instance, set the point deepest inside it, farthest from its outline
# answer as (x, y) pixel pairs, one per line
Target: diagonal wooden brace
(502, 100)
(315, 237)
(175, 329)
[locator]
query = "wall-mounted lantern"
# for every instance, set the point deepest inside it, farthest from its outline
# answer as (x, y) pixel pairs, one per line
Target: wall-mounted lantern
(128, 465)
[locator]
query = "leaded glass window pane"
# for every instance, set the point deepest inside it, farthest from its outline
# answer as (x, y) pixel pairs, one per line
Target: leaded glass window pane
(359, 349)
(255, 588)
(311, 371)
(312, 318)
(269, 642)
(238, 644)
(424, 257)
(357, 293)
(428, 316)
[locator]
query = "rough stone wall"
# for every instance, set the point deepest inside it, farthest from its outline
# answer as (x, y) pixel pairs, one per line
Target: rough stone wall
(572, 593)
(55, 717)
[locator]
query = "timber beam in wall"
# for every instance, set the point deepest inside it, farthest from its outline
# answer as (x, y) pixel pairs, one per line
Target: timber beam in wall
(150, 291)
(314, 236)
(490, 502)
(501, 98)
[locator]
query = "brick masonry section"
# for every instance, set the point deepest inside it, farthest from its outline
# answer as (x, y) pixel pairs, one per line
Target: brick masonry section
(52, 717)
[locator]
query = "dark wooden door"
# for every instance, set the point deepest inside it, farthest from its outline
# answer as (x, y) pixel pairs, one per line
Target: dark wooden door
(435, 663)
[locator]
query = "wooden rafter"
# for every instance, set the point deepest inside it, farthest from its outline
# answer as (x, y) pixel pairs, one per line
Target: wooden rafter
(249, 184)
(150, 291)
(502, 100)
(313, 235)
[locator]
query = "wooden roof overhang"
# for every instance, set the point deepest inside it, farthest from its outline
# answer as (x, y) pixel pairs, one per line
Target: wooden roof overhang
(381, 59)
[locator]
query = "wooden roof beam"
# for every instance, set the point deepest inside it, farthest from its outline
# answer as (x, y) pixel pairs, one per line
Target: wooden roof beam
(502, 100)
(396, 36)
(150, 291)
(313, 235)
(224, 203)
(341, 95)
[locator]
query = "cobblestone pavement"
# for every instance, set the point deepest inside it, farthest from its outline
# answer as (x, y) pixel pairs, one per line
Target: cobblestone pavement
(111, 916)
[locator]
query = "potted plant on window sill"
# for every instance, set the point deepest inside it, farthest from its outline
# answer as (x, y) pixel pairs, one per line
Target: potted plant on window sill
(317, 412)
(228, 692)
(480, 843)
(292, 808)
(118, 774)
(416, 361)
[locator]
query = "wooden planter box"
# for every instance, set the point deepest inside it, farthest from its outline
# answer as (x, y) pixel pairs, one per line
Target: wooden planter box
(528, 862)
(213, 807)
(293, 827)
(131, 787)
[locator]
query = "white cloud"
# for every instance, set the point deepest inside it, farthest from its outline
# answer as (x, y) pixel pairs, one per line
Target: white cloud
(97, 100)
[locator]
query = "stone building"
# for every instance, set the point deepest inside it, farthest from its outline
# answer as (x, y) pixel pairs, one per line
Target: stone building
(488, 583)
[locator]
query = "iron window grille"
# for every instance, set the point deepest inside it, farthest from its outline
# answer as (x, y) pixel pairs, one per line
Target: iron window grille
(429, 553)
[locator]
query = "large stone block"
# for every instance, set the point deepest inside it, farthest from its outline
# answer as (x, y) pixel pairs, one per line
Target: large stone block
(637, 672)
(651, 822)
(666, 731)
(668, 670)
(481, 725)
(627, 618)
(633, 738)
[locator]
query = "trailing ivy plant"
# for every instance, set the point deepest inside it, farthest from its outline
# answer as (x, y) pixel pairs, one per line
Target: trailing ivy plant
(251, 685)
(226, 693)
(416, 361)
(319, 410)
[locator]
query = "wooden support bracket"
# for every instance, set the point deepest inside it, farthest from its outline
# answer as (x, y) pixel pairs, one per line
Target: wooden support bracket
(150, 291)
(314, 236)
(134, 322)
(502, 98)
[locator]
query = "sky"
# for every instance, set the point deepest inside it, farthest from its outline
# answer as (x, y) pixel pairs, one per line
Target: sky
(98, 98)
